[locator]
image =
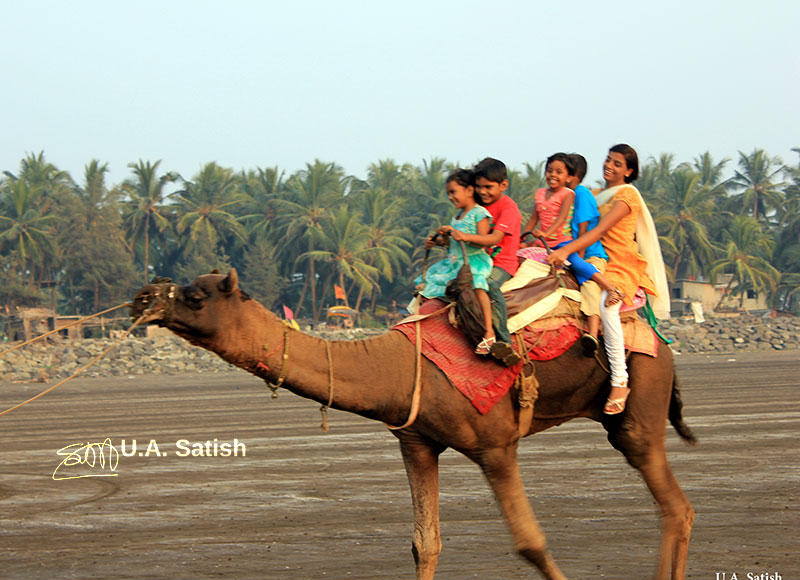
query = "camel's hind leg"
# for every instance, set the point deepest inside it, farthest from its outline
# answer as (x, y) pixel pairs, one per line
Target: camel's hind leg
(502, 471)
(644, 450)
(421, 459)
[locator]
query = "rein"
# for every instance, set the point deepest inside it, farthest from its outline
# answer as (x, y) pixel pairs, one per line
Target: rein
(69, 325)
(285, 369)
(415, 396)
(80, 370)
(284, 363)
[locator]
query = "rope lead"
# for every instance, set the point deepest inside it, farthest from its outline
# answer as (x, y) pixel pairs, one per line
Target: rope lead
(80, 370)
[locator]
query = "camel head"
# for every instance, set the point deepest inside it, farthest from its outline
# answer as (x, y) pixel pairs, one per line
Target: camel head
(195, 311)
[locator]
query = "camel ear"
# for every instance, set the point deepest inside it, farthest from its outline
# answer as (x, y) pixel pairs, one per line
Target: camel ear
(215, 271)
(230, 284)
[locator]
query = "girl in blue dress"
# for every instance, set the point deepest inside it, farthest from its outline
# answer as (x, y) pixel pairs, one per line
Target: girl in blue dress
(471, 218)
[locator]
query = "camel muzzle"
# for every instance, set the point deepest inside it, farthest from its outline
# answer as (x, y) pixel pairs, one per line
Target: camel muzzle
(154, 302)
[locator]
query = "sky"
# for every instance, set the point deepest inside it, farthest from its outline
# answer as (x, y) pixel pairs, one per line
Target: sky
(252, 84)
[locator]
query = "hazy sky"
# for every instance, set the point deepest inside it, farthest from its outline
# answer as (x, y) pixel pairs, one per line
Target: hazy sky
(255, 83)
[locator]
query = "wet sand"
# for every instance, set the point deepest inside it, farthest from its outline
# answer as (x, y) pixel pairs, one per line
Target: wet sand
(302, 505)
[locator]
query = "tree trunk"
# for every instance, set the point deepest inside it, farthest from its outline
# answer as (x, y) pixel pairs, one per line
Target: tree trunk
(358, 300)
(313, 281)
(146, 246)
(326, 286)
(341, 282)
(302, 295)
(725, 292)
(374, 301)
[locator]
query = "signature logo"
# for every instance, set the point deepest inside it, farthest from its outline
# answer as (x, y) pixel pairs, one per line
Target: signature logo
(95, 459)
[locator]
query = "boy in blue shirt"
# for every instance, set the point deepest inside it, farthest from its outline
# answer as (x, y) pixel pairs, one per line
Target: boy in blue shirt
(585, 216)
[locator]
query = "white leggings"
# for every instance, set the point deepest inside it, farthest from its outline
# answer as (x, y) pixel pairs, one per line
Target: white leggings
(615, 342)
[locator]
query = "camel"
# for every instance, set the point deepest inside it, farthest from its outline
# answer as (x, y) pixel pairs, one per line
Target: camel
(374, 378)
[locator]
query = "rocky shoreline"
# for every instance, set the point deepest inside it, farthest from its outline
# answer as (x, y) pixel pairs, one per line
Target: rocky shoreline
(59, 358)
(732, 334)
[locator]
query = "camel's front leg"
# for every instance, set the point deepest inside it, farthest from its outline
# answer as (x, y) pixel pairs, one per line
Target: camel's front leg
(501, 469)
(421, 459)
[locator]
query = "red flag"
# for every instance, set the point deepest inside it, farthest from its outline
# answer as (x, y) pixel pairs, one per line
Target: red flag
(287, 313)
(339, 292)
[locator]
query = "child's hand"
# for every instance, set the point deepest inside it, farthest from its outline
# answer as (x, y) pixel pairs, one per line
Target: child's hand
(537, 233)
(557, 257)
(429, 243)
(458, 235)
(445, 230)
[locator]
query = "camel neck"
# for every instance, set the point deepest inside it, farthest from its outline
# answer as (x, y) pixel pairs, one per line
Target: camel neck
(365, 374)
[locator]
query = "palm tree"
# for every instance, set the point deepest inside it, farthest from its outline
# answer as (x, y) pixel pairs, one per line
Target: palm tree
(145, 213)
(654, 176)
(788, 290)
(787, 256)
(391, 177)
(311, 194)
(710, 171)
(747, 256)
(522, 187)
(48, 188)
(664, 165)
(98, 273)
(382, 216)
(261, 188)
(756, 177)
(648, 182)
(26, 228)
(344, 242)
(204, 207)
(43, 179)
(426, 205)
(683, 208)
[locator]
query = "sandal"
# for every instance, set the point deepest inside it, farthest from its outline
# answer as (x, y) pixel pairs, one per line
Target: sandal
(614, 295)
(485, 346)
(617, 405)
(589, 344)
(505, 353)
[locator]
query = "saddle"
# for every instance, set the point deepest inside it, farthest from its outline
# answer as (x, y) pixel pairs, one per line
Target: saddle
(545, 319)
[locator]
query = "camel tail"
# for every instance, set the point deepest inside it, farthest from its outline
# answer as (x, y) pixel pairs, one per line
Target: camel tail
(676, 413)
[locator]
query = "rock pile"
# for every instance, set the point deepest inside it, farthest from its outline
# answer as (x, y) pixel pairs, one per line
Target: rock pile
(733, 334)
(60, 358)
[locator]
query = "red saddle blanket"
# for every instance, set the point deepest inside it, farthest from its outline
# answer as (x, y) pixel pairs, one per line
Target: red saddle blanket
(482, 380)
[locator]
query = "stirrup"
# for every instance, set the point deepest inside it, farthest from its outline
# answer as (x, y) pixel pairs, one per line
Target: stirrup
(589, 344)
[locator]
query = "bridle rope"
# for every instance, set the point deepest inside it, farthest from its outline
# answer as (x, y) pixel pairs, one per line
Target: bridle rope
(66, 326)
(80, 370)
(415, 397)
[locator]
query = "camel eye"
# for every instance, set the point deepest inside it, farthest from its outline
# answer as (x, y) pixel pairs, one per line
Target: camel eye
(193, 297)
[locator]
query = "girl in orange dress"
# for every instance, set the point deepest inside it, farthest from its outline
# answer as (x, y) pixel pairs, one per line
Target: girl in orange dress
(634, 260)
